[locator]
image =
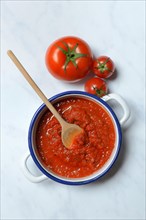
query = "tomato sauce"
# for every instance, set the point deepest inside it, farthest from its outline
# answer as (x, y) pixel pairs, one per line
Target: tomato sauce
(89, 152)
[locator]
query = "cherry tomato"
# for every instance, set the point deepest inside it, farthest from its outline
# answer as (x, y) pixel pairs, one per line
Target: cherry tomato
(69, 58)
(103, 67)
(96, 86)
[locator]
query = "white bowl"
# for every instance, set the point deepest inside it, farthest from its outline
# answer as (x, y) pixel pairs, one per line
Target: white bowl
(106, 167)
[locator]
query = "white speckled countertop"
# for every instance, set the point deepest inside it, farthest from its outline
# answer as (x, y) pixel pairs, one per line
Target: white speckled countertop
(113, 28)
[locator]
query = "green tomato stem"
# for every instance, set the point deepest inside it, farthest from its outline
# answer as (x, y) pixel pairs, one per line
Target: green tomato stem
(71, 55)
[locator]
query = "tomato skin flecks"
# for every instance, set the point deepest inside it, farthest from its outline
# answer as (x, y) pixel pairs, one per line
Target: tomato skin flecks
(90, 151)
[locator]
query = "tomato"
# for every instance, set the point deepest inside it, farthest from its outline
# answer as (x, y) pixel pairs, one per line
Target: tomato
(96, 86)
(69, 58)
(103, 67)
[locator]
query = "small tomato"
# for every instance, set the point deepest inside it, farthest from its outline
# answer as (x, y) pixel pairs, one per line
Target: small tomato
(96, 86)
(103, 67)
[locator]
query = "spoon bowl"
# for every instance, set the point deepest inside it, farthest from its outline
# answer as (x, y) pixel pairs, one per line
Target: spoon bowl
(70, 132)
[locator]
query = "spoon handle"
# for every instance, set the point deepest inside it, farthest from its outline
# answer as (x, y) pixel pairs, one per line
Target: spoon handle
(34, 86)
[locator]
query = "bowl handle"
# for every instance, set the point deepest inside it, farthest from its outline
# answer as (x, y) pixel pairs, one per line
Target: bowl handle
(122, 103)
(28, 174)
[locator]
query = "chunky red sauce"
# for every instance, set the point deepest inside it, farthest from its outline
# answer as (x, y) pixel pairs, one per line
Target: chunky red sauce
(90, 151)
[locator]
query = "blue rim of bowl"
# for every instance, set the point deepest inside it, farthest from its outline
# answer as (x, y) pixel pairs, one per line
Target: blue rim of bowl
(59, 180)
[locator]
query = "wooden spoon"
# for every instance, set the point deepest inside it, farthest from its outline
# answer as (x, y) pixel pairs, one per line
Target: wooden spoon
(69, 131)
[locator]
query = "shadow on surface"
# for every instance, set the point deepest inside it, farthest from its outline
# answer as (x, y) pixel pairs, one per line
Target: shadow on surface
(114, 76)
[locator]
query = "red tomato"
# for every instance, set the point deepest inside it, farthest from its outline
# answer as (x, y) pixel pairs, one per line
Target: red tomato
(69, 58)
(103, 67)
(96, 86)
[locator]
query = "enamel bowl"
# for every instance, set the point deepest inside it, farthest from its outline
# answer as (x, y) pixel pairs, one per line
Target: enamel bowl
(75, 181)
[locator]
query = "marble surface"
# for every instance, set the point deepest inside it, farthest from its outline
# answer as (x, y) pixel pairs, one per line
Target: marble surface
(114, 28)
